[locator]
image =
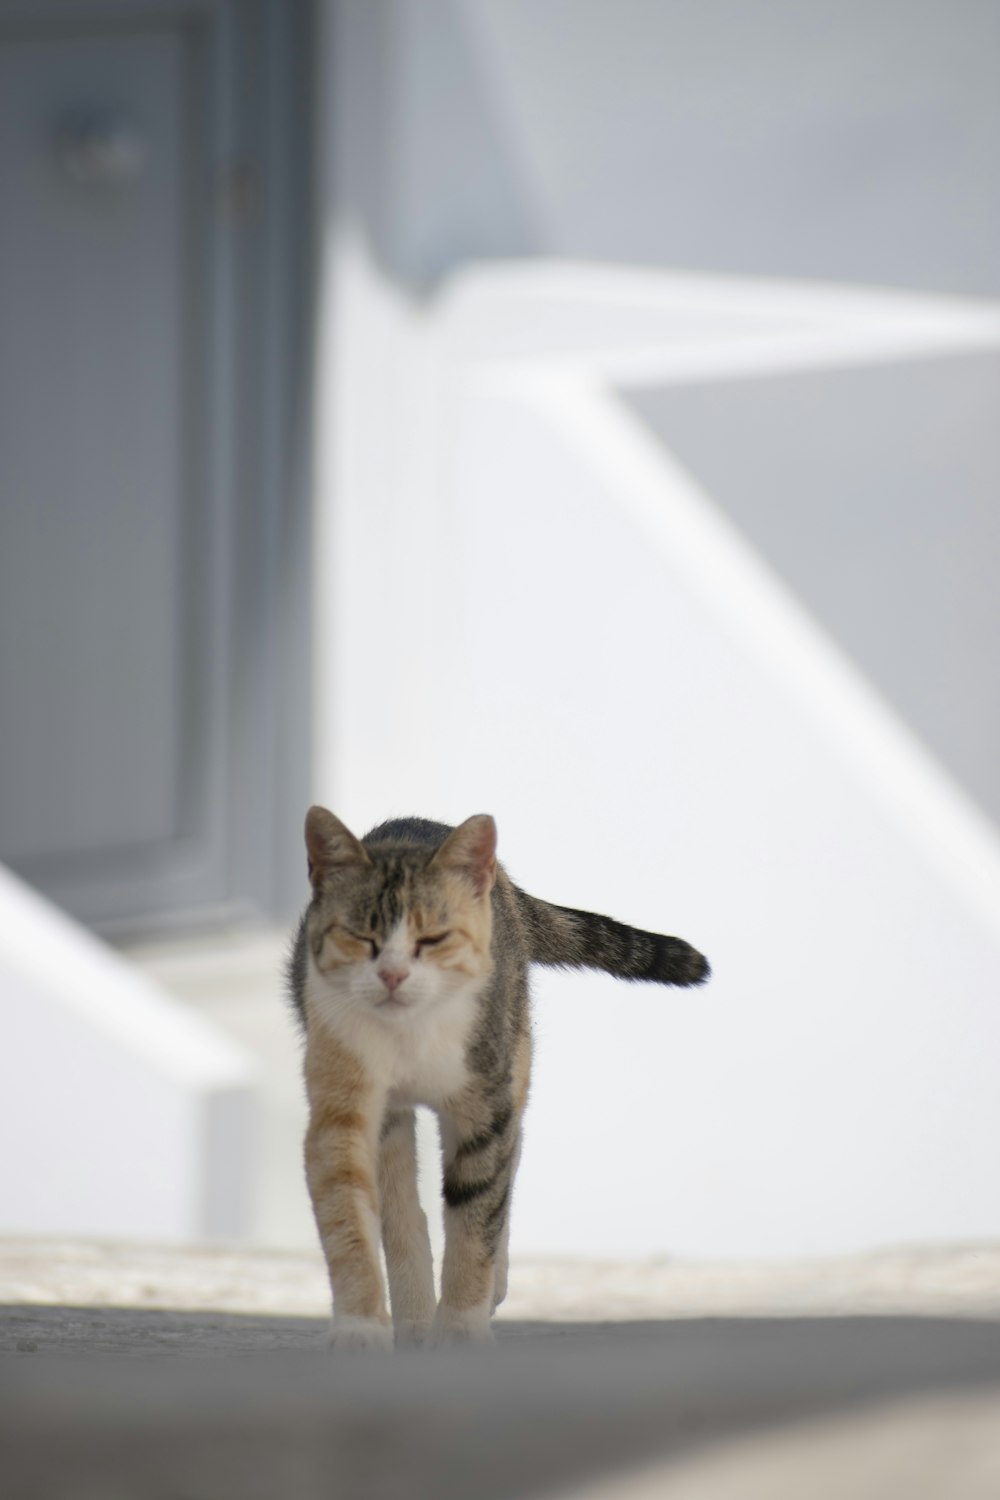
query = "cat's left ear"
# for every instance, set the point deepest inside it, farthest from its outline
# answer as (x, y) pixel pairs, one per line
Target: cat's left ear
(471, 849)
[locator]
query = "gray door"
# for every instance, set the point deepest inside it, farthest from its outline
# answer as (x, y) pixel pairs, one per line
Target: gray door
(153, 556)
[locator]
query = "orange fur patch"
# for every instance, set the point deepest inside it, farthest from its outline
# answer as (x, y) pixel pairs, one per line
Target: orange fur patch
(340, 1152)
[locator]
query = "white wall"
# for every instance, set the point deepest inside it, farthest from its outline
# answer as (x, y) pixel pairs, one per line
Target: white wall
(664, 734)
(121, 1115)
(651, 746)
(846, 140)
(528, 606)
(826, 139)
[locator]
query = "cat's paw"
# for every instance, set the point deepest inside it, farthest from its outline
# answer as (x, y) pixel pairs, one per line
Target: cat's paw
(351, 1333)
(454, 1326)
(409, 1334)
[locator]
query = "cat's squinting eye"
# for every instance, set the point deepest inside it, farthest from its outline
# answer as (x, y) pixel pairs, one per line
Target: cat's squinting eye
(369, 942)
(432, 941)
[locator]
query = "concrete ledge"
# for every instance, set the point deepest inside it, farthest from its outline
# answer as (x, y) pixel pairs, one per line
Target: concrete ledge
(961, 1281)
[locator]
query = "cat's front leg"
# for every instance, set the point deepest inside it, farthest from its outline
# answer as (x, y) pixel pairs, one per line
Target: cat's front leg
(479, 1162)
(341, 1155)
(404, 1231)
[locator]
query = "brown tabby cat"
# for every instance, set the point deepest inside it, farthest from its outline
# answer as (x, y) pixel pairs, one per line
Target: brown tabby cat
(410, 975)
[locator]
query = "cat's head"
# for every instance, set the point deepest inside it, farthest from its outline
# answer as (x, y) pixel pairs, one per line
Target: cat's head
(394, 928)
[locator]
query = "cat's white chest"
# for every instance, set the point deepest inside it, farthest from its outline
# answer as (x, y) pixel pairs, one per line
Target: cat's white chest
(429, 1061)
(418, 1058)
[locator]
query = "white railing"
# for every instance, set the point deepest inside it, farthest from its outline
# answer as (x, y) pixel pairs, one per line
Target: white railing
(121, 1113)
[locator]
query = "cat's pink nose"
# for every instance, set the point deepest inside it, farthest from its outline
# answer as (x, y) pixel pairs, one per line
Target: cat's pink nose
(392, 978)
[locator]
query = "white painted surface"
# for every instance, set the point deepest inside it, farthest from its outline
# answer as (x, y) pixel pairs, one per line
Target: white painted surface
(835, 1085)
(121, 1114)
(235, 980)
(529, 609)
(849, 141)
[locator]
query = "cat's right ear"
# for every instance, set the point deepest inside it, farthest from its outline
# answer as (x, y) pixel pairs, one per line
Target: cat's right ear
(330, 845)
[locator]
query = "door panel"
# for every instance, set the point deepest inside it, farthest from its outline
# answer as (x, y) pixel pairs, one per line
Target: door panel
(133, 696)
(91, 450)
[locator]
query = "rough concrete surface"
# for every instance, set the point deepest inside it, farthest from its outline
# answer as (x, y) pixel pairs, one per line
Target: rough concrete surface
(689, 1402)
(948, 1281)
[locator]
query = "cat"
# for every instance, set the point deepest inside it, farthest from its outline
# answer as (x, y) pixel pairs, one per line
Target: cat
(409, 973)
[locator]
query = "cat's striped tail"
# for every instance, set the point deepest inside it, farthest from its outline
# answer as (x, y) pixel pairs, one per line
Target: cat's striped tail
(567, 939)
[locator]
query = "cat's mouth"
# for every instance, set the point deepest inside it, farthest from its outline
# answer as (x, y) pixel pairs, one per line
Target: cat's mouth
(390, 1003)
